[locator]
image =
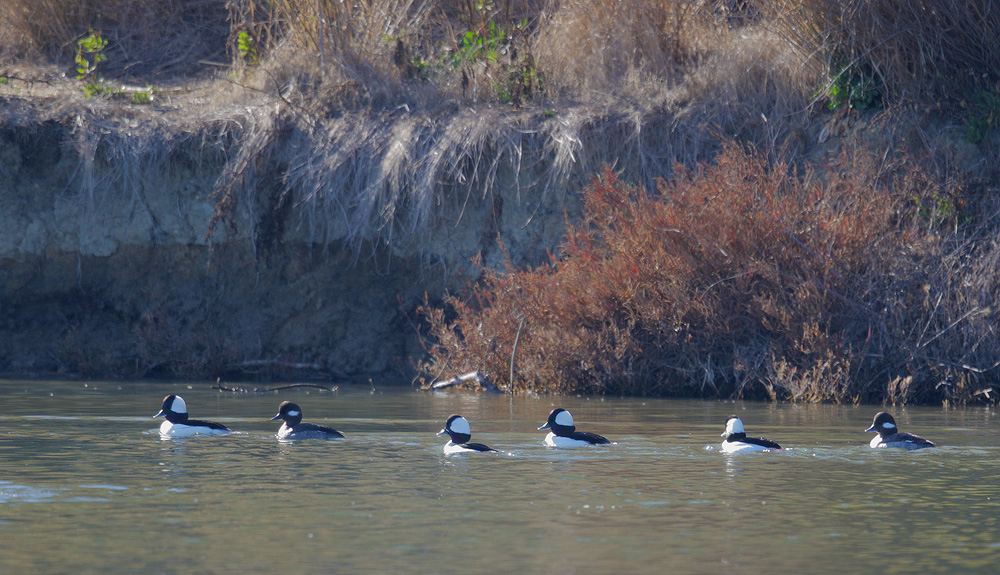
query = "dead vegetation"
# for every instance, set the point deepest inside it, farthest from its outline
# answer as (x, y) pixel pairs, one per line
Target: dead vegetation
(782, 273)
(743, 278)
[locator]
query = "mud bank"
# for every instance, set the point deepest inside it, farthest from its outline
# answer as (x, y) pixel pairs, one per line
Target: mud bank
(110, 266)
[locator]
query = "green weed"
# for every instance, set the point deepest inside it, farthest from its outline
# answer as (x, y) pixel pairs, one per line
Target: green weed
(143, 96)
(89, 53)
(98, 88)
(246, 47)
(852, 88)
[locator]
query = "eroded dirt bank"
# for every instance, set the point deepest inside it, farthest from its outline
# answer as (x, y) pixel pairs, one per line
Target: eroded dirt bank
(109, 266)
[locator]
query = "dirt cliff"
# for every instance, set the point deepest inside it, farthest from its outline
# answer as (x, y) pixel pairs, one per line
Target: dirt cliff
(121, 254)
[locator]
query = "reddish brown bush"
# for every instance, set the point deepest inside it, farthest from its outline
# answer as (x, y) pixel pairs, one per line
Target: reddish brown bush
(738, 278)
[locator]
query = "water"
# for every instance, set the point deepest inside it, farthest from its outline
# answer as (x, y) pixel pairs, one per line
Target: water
(88, 486)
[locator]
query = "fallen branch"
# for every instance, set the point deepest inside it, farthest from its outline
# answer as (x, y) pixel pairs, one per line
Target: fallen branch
(471, 377)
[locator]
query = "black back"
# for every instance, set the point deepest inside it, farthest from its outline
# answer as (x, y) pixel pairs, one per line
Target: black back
(200, 423)
(592, 438)
(477, 447)
(742, 437)
(303, 427)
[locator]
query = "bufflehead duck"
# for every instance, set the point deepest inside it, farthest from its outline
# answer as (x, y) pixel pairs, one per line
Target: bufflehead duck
(890, 436)
(178, 424)
(564, 433)
(457, 428)
(736, 439)
(293, 428)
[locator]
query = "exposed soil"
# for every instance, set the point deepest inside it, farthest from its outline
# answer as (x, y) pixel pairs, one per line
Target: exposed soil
(108, 267)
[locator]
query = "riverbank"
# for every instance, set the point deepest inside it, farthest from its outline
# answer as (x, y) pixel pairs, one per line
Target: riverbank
(269, 204)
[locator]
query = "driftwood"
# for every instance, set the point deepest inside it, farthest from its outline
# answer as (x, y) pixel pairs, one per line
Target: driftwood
(222, 387)
(471, 377)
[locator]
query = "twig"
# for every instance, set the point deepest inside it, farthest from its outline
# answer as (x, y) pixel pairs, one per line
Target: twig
(513, 353)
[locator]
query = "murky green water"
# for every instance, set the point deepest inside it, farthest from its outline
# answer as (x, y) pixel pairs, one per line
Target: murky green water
(87, 486)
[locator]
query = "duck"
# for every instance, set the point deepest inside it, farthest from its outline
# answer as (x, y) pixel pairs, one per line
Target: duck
(890, 436)
(293, 428)
(460, 432)
(178, 424)
(736, 439)
(563, 432)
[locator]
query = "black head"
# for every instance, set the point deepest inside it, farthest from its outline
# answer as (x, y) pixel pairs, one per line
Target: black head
(174, 409)
(458, 429)
(560, 422)
(290, 412)
(884, 424)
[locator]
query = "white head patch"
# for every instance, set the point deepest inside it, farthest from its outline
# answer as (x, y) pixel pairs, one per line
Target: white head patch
(461, 425)
(564, 418)
(178, 405)
(294, 413)
(889, 425)
(734, 425)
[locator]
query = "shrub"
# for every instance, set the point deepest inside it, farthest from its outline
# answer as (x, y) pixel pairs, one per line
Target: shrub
(737, 279)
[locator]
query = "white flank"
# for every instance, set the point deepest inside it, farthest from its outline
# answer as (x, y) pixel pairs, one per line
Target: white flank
(740, 447)
(553, 440)
(451, 448)
(181, 430)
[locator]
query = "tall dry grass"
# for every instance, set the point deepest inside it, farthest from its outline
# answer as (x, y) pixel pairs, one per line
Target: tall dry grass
(144, 38)
(382, 144)
(915, 51)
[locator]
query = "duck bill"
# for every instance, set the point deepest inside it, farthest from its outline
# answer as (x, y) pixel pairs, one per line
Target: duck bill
(443, 432)
(872, 428)
(545, 426)
(160, 414)
(276, 417)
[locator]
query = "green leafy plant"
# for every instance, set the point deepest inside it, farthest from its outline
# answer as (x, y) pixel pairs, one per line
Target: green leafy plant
(523, 82)
(89, 53)
(143, 96)
(246, 47)
(483, 44)
(851, 87)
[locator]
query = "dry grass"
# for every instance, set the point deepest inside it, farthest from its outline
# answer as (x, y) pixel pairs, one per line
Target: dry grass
(911, 51)
(866, 279)
(145, 39)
